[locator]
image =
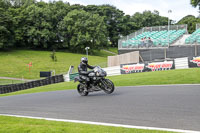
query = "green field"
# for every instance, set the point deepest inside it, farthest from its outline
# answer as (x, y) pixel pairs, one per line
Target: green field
(14, 63)
(114, 50)
(25, 125)
(183, 76)
(8, 81)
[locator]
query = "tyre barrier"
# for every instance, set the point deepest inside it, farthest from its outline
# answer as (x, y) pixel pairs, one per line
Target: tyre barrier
(22, 86)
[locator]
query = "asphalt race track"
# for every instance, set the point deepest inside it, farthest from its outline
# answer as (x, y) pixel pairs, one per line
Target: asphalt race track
(176, 107)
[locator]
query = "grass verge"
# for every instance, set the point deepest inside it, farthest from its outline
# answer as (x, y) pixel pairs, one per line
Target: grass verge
(15, 63)
(26, 125)
(184, 76)
(9, 81)
(181, 76)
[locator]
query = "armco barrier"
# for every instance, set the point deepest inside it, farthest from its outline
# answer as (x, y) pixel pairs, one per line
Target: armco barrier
(31, 84)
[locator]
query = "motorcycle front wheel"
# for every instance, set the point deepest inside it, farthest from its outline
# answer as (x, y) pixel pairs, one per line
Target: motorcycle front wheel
(109, 86)
(81, 90)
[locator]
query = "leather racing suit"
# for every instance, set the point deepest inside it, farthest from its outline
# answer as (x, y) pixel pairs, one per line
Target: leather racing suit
(83, 73)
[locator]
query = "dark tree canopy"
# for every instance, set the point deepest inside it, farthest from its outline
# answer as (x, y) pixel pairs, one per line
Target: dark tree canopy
(194, 2)
(59, 25)
(191, 21)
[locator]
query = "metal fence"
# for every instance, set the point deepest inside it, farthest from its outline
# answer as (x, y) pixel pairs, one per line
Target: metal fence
(197, 26)
(22, 86)
(168, 53)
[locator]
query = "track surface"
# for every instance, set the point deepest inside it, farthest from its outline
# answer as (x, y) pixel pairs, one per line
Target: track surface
(176, 107)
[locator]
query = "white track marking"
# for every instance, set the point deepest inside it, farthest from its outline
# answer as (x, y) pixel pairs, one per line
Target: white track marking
(105, 124)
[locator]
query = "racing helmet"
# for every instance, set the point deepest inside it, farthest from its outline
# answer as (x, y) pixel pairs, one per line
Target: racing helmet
(84, 60)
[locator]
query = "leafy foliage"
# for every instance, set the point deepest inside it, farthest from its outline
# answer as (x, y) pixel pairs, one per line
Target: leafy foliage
(194, 2)
(148, 19)
(5, 21)
(191, 21)
(81, 27)
(53, 56)
(59, 25)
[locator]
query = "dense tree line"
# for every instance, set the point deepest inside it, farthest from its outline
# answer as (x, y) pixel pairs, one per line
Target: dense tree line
(191, 22)
(58, 25)
(195, 3)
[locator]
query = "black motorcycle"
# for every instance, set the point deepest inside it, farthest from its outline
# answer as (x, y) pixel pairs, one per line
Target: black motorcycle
(97, 82)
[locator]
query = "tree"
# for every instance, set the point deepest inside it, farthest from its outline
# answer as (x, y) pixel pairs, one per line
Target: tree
(38, 27)
(127, 26)
(113, 19)
(52, 25)
(53, 56)
(58, 11)
(20, 3)
(6, 22)
(80, 29)
(148, 19)
(191, 21)
(194, 3)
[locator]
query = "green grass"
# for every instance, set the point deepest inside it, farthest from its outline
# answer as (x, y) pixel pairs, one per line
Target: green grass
(104, 53)
(25, 125)
(114, 50)
(181, 76)
(184, 76)
(14, 63)
(8, 81)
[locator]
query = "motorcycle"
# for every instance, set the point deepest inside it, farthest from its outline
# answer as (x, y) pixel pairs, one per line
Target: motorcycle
(97, 82)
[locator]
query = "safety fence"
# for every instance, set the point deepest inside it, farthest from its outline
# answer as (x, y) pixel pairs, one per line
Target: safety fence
(197, 26)
(22, 86)
(171, 52)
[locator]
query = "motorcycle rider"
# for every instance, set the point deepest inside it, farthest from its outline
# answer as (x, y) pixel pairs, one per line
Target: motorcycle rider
(83, 73)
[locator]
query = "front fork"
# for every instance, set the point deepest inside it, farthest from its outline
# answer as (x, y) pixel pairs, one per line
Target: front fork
(103, 84)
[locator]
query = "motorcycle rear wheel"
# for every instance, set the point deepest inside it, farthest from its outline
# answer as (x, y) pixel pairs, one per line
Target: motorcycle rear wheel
(81, 90)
